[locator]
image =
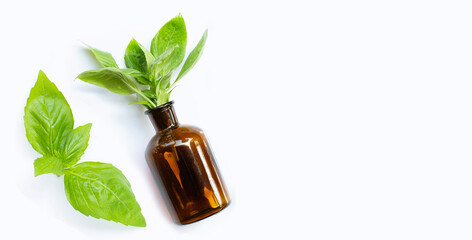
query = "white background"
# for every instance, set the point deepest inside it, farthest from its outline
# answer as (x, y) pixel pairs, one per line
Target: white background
(329, 119)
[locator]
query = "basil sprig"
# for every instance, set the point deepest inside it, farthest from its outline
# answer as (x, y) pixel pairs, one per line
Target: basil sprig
(95, 189)
(148, 73)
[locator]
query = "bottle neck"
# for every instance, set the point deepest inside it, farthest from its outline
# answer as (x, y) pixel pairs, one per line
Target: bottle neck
(163, 117)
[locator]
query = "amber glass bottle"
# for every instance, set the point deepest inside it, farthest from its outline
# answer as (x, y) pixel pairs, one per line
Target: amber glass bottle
(180, 157)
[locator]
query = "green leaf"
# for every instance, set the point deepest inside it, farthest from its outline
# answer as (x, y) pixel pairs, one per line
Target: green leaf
(49, 128)
(101, 190)
(48, 117)
(146, 98)
(96, 189)
(137, 57)
(148, 93)
(173, 33)
(193, 56)
(48, 164)
(112, 79)
(104, 58)
(140, 77)
(164, 82)
(162, 97)
(75, 144)
(145, 103)
(160, 63)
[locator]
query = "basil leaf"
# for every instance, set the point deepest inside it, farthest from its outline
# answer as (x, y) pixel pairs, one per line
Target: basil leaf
(101, 190)
(162, 97)
(75, 144)
(140, 77)
(145, 103)
(137, 57)
(193, 57)
(93, 188)
(173, 33)
(164, 82)
(48, 117)
(104, 58)
(144, 99)
(148, 93)
(111, 79)
(49, 128)
(161, 63)
(48, 164)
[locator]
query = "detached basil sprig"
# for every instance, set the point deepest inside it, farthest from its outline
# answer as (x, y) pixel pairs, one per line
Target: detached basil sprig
(95, 189)
(148, 73)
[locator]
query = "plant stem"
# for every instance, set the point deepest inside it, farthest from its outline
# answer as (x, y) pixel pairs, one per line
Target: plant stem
(147, 99)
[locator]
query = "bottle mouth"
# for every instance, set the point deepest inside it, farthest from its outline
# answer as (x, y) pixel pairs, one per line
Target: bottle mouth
(160, 107)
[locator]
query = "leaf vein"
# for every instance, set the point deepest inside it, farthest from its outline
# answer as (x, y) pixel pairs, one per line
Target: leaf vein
(104, 186)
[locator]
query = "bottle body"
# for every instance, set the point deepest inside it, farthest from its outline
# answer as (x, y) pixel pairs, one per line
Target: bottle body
(181, 158)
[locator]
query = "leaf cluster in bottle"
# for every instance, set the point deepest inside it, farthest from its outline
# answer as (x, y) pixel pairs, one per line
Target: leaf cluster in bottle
(148, 73)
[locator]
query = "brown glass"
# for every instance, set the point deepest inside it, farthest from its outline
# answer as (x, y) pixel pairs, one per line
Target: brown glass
(182, 163)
